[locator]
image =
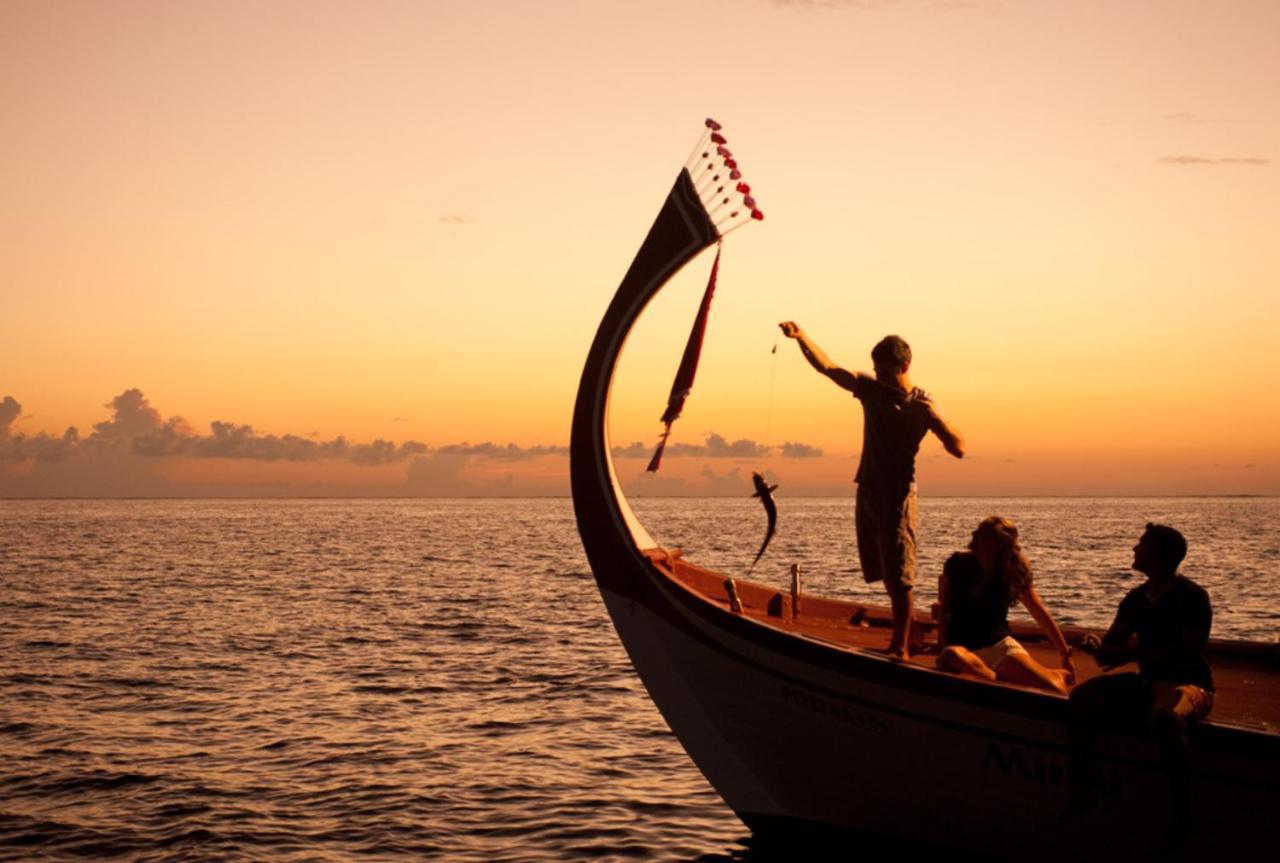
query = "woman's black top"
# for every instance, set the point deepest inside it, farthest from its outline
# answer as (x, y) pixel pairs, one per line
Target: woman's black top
(978, 613)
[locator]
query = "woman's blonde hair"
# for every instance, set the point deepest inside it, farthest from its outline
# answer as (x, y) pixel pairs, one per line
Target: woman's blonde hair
(1011, 565)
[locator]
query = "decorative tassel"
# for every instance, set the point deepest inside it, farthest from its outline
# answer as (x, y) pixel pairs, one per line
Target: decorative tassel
(656, 461)
(683, 384)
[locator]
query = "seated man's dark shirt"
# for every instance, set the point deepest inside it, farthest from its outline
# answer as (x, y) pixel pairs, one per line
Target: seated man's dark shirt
(1166, 652)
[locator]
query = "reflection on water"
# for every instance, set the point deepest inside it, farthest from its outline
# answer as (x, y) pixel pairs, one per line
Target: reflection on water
(320, 680)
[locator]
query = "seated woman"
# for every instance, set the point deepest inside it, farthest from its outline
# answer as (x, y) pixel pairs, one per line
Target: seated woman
(975, 592)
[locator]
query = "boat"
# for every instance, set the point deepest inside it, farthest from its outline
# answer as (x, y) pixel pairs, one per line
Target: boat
(794, 713)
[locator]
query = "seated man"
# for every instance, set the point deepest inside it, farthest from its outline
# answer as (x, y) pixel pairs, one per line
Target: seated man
(1171, 616)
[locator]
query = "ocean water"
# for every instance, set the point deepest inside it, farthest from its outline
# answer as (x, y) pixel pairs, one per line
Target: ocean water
(333, 680)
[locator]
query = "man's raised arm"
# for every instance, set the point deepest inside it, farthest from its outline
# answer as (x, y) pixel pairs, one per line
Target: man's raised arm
(817, 358)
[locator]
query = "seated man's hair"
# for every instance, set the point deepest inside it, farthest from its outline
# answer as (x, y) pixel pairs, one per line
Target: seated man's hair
(1168, 542)
(891, 351)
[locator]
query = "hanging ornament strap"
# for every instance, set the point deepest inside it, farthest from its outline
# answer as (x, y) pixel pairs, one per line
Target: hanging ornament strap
(683, 383)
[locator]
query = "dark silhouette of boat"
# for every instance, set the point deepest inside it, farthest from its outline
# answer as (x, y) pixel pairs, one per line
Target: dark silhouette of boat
(810, 732)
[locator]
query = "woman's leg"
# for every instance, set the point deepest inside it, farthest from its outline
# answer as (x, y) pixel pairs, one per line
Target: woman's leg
(961, 660)
(1020, 668)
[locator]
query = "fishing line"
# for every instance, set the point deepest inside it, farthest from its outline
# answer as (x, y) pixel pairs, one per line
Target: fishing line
(773, 380)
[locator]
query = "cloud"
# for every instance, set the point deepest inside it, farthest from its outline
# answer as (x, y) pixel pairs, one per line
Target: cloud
(138, 451)
(635, 449)
(469, 470)
(1204, 160)
(10, 410)
(19, 447)
(792, 449)
(136, 428)
(384, 451)
(734, 482)
(228, 440)
(509, 452)
(458, 219)
(41, 447)
(132, 416)
(717, 446)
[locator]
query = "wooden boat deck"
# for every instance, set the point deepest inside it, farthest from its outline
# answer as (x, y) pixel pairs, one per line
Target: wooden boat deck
(1247, 674)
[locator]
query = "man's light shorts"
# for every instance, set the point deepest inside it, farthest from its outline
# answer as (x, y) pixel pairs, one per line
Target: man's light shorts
(886, 526)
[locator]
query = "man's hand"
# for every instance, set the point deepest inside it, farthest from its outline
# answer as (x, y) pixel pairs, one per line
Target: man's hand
(1112, 650)
(1106, 658)
(1092, 645)
(819, 360)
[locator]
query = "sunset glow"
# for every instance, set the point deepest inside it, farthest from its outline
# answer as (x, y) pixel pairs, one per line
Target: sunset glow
(398, 225)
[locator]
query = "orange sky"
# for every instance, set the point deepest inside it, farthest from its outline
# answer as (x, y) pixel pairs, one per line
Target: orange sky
(402, 221)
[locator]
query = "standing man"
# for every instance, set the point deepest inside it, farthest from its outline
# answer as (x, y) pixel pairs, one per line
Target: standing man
(1170, 615)
(896, 417)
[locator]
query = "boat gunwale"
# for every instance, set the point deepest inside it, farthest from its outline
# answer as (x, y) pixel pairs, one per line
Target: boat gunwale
(1026, 702)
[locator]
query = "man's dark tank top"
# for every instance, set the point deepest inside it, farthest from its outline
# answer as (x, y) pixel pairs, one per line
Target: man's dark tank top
(892, 428)
(975, 620)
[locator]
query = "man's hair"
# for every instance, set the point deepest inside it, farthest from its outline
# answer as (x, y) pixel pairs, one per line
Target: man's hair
(891, 351)
(1167, 542)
